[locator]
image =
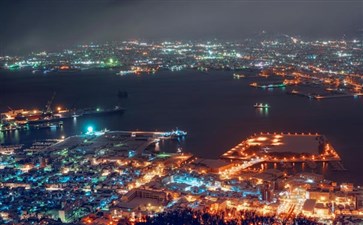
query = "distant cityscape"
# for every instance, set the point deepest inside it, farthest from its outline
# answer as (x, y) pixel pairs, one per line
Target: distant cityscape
(335, 65)
(122, 177)
(262, 51)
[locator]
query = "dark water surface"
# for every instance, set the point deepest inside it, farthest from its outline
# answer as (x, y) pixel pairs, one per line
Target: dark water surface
(216, 110)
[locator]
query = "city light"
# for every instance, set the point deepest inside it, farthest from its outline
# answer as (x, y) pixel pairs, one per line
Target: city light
(90, 130)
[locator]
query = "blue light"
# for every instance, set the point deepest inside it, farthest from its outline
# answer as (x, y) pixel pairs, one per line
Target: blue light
(90, 129)
(132, 153)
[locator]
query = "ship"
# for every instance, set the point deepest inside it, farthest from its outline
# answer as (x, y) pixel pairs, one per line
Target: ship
(125, 72)
(25, 119)
(99, 111)
(74, 113)
(261, 105)
(48, 125)
(238, 76)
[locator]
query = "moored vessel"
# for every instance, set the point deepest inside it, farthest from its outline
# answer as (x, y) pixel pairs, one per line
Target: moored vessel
(238, 76)
(261, 105)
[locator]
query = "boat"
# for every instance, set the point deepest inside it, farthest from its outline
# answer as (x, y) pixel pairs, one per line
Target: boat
(261, 105)
(238, 76)
(268, 85)
(125, 72)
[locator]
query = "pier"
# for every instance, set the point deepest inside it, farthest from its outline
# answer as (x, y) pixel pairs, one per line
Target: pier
(286, 148)
(151, 134)
(320, 97)
(122, 143)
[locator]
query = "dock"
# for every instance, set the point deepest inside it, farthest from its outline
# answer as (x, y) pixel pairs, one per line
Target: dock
(118, 143)
(272, 148)
(320, 97)
(298, 93)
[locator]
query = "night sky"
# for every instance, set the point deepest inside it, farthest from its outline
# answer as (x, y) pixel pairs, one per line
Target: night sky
(51, 24)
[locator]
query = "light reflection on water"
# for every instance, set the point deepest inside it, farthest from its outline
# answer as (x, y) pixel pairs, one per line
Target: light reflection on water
(263, 111)
(215, 109)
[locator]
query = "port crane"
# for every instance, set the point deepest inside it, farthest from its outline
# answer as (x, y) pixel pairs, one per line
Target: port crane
(48, 106)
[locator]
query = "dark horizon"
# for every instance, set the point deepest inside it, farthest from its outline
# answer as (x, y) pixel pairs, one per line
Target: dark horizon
(49, 25)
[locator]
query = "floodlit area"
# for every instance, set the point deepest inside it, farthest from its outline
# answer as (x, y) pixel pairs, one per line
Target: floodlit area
(289, 147)
(118, 173)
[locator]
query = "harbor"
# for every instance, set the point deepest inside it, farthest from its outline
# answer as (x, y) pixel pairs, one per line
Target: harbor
(143, 112)
(181, 113)
(286, 148)
(135, 142)
(21, 119)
